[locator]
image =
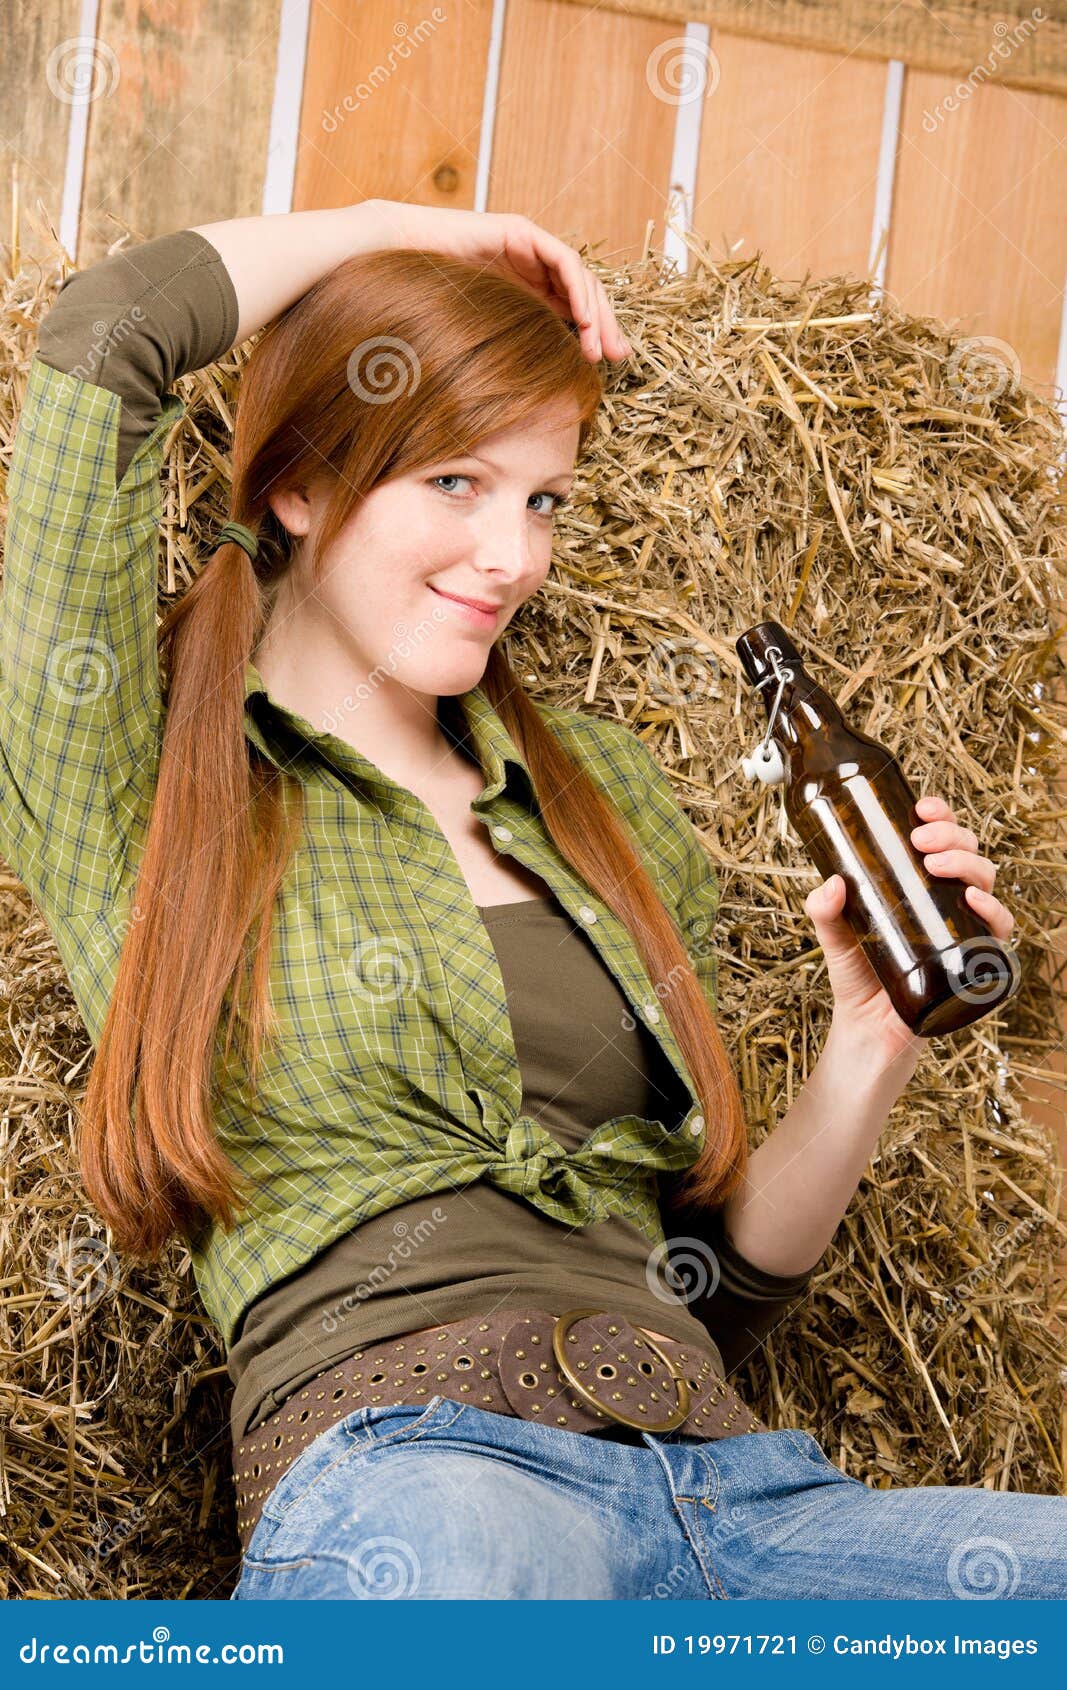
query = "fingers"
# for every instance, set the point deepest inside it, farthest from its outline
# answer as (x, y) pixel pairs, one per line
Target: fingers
(939, 830)
(999, 920)
(932, 808)
(951, 851)
(825, 902)
(588, 303)
(963, 865)
(614, 341)
(941, 836)
(573, 280)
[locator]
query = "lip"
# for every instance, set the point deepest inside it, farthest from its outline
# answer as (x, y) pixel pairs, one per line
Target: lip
(485, 613)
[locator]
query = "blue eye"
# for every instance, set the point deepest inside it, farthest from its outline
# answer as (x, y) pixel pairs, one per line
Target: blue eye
(560, 499)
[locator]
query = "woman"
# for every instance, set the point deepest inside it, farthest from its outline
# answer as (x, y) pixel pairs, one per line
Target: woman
(400, 983)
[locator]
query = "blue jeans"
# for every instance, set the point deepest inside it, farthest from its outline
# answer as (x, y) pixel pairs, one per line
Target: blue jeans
(445, 1500)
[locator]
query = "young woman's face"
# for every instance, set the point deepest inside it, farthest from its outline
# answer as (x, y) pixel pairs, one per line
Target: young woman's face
(473, 526)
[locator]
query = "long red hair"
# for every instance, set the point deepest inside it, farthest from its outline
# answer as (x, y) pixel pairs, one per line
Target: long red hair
(225, 821)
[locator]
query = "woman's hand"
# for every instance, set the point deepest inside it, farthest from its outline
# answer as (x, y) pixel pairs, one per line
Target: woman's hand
(860, 1002)
(520, 250)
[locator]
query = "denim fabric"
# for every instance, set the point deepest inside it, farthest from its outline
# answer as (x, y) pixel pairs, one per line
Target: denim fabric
(446, 1501)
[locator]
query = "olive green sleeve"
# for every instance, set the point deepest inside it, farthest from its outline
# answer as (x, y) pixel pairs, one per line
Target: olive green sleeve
(739, 1304)
(135, 322)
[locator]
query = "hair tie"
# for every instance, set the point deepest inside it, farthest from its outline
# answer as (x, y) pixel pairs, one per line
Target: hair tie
(240, 535)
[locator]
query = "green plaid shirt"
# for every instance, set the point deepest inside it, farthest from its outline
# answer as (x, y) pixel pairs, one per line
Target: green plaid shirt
(395, 1074)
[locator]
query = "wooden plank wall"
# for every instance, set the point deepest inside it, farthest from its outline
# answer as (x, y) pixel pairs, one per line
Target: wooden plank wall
(796, 127)
(574, 115)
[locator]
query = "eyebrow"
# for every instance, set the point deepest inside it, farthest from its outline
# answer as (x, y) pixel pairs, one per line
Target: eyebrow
(566, 475)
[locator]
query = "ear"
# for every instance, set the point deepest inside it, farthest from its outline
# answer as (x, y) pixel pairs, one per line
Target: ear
(292, 507)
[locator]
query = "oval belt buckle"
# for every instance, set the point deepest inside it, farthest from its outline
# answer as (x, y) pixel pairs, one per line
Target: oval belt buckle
(677, 1414)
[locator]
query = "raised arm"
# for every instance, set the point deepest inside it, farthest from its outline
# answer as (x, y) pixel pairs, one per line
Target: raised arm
(273, 261)
(80, 703)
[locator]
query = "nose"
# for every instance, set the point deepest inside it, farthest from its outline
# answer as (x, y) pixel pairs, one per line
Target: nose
(504, 547)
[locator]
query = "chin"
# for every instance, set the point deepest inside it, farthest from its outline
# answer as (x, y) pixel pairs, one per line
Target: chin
(451, 679)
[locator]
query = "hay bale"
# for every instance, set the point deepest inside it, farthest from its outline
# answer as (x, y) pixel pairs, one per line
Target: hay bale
(796, 449)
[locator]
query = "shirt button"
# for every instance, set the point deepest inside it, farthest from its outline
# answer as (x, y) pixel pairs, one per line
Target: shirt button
(503, 833)
(651, 1011)
(586, 913)
(696, 1125)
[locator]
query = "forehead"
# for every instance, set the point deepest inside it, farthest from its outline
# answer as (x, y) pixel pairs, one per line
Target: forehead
(544, 443)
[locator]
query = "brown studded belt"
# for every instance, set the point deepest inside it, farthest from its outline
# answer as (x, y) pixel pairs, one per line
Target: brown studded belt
(587, 1370)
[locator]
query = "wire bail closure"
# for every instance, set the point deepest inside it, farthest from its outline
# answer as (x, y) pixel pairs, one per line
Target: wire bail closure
(765, 762)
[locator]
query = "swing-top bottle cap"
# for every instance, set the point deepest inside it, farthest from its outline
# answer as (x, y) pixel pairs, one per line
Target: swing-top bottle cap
(754, 647)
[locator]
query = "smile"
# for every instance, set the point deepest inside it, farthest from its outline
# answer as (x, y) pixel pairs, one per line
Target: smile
(482, 618)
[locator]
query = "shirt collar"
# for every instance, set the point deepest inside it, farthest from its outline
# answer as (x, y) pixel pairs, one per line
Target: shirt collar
(501, 761)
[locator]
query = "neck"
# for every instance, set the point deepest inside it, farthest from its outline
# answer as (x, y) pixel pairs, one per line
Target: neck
(398, 729)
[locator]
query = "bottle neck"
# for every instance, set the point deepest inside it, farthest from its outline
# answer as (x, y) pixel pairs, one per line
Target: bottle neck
(805, 709)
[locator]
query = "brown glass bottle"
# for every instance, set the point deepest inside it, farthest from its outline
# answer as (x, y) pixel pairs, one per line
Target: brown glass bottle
(848, 800)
